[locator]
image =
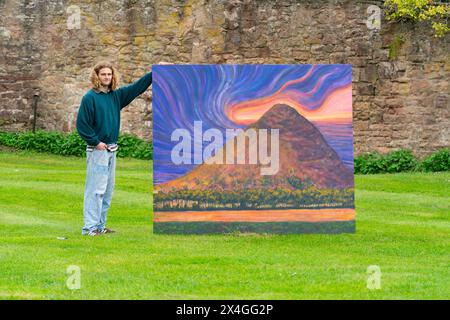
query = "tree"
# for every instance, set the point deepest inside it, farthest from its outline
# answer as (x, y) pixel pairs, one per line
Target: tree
(420, 10)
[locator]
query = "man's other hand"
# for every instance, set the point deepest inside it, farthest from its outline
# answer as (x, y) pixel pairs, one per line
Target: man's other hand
(101, 146)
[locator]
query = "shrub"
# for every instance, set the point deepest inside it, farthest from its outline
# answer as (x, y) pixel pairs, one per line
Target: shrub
(131, 146)
(369, 163)
(128, 143)
(72, 144)
(438, 161)
(40, 141)
(144, 151)
(8, 139)
(401, 161)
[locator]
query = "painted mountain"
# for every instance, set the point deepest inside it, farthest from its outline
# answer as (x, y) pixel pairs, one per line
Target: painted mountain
(309, 107)
(304, 156)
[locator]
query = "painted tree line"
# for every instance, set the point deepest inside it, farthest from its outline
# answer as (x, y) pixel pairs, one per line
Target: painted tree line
(253, 199)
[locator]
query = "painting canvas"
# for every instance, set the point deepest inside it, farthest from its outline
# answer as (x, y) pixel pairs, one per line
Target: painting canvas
(253, 148)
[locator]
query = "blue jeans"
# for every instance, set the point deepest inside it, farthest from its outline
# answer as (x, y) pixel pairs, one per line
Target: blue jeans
(100, 178)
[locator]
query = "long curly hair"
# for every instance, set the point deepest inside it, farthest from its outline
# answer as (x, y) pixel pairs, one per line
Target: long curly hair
(96, 81)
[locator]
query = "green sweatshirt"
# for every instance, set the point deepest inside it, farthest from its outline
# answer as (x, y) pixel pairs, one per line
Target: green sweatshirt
(98, 118)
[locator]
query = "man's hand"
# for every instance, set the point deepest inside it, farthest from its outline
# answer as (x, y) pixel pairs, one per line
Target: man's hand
(101, 146)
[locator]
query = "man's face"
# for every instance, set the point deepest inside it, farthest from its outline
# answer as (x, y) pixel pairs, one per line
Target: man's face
(105, 76)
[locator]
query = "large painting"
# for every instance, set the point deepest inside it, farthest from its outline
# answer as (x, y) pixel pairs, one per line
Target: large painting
(253, 148)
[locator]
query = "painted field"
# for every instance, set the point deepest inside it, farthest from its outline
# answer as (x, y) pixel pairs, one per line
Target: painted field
(306, 215)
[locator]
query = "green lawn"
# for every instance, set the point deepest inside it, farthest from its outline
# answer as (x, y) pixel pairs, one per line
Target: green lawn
(403, 226)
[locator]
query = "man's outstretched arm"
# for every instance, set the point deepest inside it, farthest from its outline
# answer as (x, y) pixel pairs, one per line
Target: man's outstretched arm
(128, 93)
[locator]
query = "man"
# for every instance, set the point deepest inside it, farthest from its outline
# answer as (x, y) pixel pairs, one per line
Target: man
(98, 123)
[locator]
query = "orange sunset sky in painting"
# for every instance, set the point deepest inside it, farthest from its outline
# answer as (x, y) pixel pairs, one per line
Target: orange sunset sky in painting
(337, 107)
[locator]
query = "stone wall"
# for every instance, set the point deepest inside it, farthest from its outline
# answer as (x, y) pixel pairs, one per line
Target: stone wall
(400, 73)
